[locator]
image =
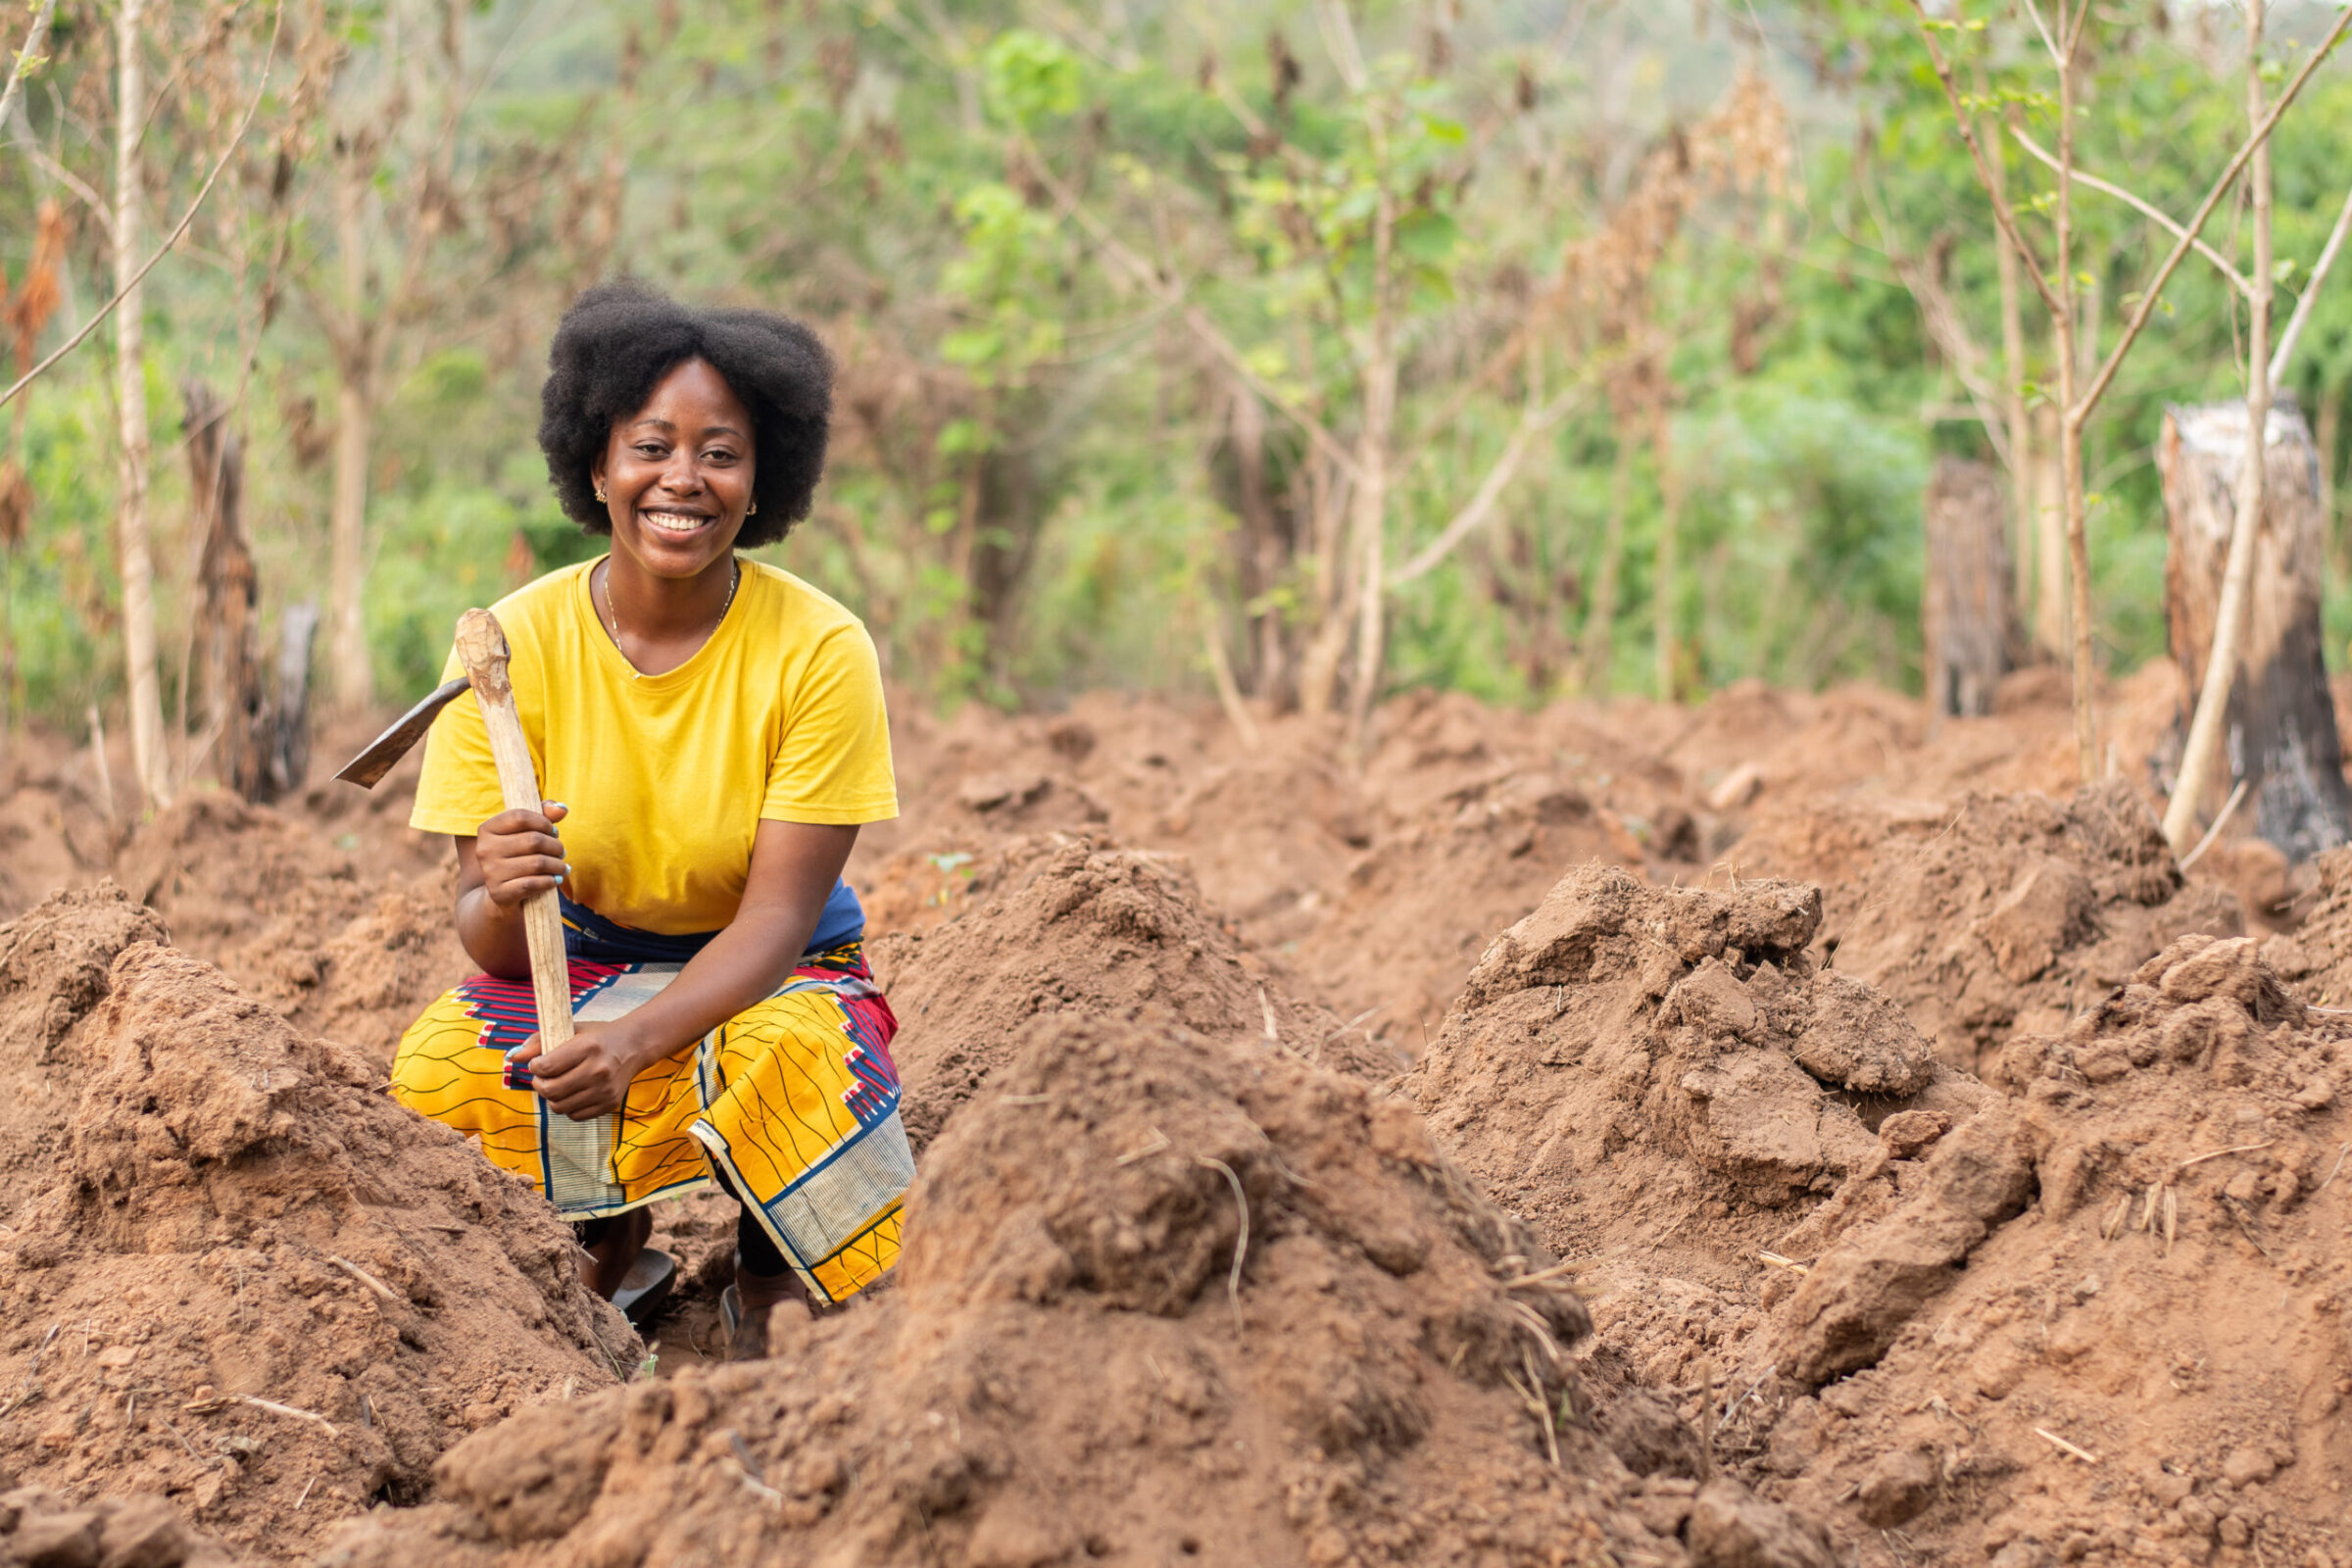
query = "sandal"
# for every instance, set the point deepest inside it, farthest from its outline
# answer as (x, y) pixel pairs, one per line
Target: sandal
(646, 1287)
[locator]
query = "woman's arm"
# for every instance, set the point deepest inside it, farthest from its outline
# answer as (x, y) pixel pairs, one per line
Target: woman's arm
(794, 866)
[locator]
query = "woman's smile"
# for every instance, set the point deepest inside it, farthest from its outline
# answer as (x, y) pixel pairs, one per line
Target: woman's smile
(678, 521)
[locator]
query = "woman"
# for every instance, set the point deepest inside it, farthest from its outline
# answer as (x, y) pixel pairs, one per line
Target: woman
(710, 734)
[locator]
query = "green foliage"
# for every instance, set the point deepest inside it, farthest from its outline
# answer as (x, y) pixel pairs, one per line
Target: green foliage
(1049, 248)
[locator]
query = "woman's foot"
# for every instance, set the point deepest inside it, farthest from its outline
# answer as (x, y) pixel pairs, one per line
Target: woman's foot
(607, 1266)
(749, 1303)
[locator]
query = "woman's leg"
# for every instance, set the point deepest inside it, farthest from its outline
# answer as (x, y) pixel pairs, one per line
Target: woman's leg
(613, 1245)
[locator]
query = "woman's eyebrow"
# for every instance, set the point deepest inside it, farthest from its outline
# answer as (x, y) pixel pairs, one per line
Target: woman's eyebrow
(656, 422)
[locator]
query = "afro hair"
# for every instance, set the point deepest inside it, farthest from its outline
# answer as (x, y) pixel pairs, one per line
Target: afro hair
(619, 339)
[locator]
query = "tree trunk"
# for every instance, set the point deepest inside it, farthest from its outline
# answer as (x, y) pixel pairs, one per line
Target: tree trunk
(355, 419)
(354, 434)
(2022, 443)
(1966, 612)
(290, 751)
(2047, 524)
(2280, 724)
(131, 407)
(2230, 643)
(237, 712)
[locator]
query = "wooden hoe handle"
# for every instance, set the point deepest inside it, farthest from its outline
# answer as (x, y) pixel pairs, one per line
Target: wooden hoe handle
(482, 648)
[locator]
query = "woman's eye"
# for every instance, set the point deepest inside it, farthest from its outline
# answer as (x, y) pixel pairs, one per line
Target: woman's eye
(722, 454)
(649, 451)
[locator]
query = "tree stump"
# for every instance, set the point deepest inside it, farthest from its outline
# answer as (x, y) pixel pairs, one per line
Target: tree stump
(2281, 729)
(238, 718)
(1966, 611)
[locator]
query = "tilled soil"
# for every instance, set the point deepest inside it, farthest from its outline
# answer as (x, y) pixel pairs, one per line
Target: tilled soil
(1164, 1299)
(1693, 1001)
(236, 1274)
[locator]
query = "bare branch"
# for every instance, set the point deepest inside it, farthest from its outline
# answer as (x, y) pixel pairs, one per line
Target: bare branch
(1976, 152)
(2147, 209)
(81, 189)
(2044, 28)
(1941, 318)
(27, 58)
(2311, 292)
(2213, 198)
(1532, 422)
(1170, 293)
(277, 17)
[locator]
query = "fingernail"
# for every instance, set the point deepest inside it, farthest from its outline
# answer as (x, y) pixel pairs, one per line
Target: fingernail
(558, 806)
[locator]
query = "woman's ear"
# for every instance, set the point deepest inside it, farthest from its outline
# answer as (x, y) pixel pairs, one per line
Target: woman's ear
(596, 476)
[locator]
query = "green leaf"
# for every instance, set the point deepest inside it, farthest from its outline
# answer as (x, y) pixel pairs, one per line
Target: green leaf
(1428, 237)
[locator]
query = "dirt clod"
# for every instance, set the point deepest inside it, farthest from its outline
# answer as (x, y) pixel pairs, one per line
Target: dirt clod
(242, 1277)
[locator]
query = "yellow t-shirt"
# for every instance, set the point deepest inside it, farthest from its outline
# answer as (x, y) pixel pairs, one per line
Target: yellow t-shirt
(779, 715)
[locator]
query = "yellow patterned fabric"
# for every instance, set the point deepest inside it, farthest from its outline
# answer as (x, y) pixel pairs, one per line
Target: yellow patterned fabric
(794, 1100)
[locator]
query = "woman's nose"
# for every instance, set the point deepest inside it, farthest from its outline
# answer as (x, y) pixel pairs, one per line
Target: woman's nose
(681, 474)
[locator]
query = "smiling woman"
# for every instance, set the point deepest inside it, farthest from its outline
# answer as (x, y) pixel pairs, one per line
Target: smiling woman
(713, 732)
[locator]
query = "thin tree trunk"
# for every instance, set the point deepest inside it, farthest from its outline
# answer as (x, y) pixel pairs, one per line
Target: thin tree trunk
(354, 436)
(137, 561)
(2069, 427)
(1600, 621)
(355, 421)
(2049, 526)
(1371, 528)
(2023, 518)
(1371, 510)
(2202, 751)
(1327, 646)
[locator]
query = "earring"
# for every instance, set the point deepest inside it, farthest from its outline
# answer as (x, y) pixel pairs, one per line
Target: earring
(753, 507)
(600, 495)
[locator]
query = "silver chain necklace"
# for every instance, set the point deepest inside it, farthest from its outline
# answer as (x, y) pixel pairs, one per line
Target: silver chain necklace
(613, 613)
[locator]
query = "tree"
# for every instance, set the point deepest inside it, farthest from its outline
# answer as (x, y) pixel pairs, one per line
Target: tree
(2057, 282)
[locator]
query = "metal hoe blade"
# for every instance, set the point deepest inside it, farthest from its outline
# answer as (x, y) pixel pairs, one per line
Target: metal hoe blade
(393, 744)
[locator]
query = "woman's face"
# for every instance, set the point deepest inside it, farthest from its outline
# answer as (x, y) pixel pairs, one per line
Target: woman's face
(677, 473)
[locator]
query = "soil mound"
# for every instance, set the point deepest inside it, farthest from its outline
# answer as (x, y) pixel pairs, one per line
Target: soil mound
(1151, 1271)
(1666, 1070)
(244, 1278)
(2019, 913)
(39, 1527)
(1371, 889)
(1071, 924)
(2146, 1354)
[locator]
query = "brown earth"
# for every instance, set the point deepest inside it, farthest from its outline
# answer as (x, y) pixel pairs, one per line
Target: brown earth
(1668, 1067)
(1146, 1271)
(236, 1274)
(2017, 912)
(2127, 1242)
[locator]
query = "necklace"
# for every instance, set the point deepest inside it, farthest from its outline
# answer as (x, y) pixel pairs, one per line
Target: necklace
(613, 613)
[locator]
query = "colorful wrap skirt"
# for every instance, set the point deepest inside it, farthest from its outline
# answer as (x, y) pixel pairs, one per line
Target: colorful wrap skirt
(794, 1102)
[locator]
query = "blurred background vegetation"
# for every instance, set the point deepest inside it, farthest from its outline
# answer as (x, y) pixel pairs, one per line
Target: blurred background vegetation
(1614, 310)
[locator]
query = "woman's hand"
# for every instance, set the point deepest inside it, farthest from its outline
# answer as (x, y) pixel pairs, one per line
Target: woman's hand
(588, 1076)
(520, 855)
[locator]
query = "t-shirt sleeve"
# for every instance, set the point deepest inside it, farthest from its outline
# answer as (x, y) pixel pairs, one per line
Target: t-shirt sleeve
(457, 790)
(834, 763)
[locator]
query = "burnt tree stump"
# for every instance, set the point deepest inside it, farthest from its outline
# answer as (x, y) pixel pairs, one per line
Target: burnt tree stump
(1967, 609)
(2280, 723)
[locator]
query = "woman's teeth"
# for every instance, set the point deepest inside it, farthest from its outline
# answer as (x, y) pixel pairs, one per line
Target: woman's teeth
(676, 521)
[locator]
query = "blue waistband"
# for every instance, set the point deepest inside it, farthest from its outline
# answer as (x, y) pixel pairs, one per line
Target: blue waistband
(589, 936)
